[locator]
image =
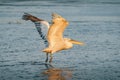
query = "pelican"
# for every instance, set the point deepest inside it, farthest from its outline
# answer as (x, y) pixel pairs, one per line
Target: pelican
(55, 39)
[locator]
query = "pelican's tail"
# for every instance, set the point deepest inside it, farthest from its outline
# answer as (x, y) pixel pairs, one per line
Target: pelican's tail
(27, 16)
(77, 42)
(47, 50)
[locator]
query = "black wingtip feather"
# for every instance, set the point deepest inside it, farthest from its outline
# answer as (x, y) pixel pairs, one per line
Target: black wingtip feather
(26, 16)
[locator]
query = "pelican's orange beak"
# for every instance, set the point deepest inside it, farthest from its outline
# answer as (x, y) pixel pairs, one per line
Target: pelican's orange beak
(77, 42)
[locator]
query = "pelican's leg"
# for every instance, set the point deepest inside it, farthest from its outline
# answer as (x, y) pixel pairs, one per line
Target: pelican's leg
(51, 57)
(46, 58)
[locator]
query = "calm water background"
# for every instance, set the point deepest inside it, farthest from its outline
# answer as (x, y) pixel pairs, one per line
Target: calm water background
(95, 22)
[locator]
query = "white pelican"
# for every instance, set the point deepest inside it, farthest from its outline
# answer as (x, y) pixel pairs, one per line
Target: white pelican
(55, 39)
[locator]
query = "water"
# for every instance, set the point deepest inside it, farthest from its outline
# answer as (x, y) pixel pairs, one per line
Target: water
(97, 23)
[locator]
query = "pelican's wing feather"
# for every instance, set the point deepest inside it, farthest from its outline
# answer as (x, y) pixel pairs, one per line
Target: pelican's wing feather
(40, 24)
(55, 32)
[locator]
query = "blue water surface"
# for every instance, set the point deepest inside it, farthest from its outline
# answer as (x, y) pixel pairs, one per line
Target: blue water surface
(94, 22)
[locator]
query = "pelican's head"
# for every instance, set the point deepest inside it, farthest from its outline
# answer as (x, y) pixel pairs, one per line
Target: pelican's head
(58, 19)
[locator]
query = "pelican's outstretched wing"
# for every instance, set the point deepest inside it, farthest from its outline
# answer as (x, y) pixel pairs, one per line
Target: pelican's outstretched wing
(39, 24)
(55, 32)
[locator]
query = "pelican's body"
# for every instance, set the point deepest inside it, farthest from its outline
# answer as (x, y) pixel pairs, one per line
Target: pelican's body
(56, 41)
(55, 36)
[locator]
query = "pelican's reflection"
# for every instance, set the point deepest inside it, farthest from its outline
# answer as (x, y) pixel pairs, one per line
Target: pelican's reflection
(57, 73)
